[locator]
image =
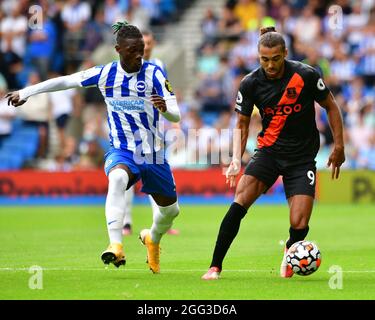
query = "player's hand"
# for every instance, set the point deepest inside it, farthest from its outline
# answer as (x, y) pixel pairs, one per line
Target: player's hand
(14, 99)
(158, 102)
(336, 159)
(232, 172)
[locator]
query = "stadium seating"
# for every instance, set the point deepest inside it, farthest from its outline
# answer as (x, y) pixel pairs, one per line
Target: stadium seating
(10, 161)
(20, 147)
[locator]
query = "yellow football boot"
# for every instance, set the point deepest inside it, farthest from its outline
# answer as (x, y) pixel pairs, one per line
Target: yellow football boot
(153, 250)
(114, 254)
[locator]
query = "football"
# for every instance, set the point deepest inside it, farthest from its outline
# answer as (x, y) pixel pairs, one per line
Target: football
(304, 257)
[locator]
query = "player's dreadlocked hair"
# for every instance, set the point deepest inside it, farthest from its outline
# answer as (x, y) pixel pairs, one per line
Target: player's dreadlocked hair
(124, 30)
(270, 38)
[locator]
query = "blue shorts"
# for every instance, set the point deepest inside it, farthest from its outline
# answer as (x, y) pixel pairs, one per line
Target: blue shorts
(156, 177)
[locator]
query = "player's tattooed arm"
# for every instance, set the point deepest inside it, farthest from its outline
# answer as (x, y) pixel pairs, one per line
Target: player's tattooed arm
(337, 156)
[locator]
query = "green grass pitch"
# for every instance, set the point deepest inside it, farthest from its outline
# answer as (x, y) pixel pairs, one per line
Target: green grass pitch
(66, 242)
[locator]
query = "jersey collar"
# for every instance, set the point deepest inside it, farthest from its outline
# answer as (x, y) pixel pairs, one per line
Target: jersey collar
(133, 73)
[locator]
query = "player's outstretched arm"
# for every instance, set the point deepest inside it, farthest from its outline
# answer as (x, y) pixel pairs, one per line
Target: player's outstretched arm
(17, 98)
(337, 156)
(240, 136)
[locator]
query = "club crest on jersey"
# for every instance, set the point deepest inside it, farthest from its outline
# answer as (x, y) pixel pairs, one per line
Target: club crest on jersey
(291, 93)
(141, 86)
(168, 86)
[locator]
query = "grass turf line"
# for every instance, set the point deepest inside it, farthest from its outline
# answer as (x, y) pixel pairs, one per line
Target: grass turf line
(67, 243)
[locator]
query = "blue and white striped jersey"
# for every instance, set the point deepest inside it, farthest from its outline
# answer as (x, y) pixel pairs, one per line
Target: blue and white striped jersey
(133, 121)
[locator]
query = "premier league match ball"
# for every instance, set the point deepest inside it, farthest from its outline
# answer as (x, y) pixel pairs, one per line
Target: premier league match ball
(304, 257)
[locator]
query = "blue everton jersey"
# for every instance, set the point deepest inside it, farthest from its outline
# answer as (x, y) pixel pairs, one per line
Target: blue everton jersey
(133, 121)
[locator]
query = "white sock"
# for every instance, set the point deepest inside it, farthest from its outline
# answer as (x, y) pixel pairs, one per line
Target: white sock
(163, 220)
(114, 207)
(154, 206)
(129, 195)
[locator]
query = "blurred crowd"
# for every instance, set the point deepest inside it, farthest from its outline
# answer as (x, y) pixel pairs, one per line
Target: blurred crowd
(337, 38)
(44, 39)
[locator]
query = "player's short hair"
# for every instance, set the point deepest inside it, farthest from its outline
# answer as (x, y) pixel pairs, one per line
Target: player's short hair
(270, 38)
(124, 30)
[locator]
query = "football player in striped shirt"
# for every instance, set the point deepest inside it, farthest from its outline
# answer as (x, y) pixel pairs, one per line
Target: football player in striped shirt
(149, 41)
(136, 93)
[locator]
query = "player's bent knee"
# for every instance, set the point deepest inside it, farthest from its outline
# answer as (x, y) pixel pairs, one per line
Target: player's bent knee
(171, 211)
(118, 179)
(163, 220)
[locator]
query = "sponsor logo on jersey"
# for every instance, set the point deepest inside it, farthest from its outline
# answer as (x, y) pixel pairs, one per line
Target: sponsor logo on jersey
(127, 105)
(282, 110)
